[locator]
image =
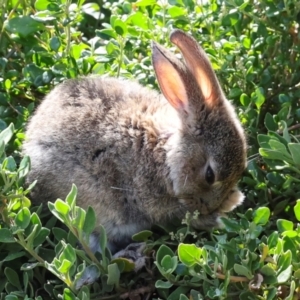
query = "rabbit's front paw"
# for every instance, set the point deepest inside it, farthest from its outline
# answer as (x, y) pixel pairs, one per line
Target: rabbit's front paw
(134, 253)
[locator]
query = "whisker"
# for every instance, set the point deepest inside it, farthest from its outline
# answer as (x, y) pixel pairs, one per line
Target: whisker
(117, 188)
(185, 180)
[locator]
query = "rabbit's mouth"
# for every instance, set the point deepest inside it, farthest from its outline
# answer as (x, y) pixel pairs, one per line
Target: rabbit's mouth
(192, 204)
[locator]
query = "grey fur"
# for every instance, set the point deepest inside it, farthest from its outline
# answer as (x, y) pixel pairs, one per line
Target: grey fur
(136, 159)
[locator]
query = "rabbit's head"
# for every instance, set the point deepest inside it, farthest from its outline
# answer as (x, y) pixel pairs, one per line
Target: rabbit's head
(207, 154)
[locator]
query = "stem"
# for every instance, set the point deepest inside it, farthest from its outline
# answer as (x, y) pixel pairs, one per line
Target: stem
(13, 10)
(4, 6)
(23, 243)
(4, 214)
(68, 30)
(121, 41)
(232, 278)
(293, 127)
(87, 250)
(292, 168)
(11, 197)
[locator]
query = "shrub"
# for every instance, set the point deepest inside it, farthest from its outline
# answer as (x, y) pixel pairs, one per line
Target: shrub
(254, 48)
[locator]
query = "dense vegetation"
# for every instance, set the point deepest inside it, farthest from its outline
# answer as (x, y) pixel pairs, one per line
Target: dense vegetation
(254, 47)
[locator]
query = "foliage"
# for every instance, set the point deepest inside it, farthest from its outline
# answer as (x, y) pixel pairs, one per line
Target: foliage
(254, 47)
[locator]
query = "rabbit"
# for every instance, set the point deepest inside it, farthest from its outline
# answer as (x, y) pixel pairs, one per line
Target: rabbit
(137, 156)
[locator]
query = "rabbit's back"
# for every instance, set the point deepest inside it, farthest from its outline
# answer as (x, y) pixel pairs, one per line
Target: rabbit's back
(96, 109)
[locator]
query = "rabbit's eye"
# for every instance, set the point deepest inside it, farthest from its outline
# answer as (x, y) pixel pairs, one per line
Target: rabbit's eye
(209, 176)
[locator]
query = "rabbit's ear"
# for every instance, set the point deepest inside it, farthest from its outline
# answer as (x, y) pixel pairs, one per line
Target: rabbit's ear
(167, 70)
(199, 65)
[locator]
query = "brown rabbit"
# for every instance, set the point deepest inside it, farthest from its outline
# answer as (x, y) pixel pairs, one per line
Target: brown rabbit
(139, 157)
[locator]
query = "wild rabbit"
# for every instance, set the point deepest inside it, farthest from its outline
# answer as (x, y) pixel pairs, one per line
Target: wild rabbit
(139, 157)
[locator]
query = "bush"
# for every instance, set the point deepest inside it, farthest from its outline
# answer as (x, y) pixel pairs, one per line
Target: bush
(254, 48)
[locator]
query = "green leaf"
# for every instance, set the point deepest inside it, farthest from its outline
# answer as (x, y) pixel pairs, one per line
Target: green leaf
(9, 164)
(231, 18)
(142, 236)
(6, 236)
(292, 289)
(247, 43)
(60, 234)
(176, 11)
(263, 140)
(285, 131)
(68, 253)
(270, 123)
(284, 225)
(2, 150)
(22, 218)
(71, 197)
(169, 264)
(245, 100)
(7, 134)
(231, 225)
(273, 240)
(32, 235)
(13, 256)
(62, 207)
(68, 295)
(284, 261)
(285, 275)
(106, 34)
(124, 264)
(261, 216)
(297, 210)
(139, 19)
(54, 43)
(276, 145)
(297, 274)
(90, 221)
(112, 49)
(159, 284)
(120, 27)
(11, 297)
(7, 84)
(41, 236)
(92, 9)
(34, 219)
(103, 238)
(181, 290)
(145, 2)
(273, 154)
(13, 277)
(30, 266)
(295, 151)
(41, 4)
(234, 93)
(162, 251)
(65, 266)
(23, 25)
(275, 178)
(267, 271)
(113, 274)
(242, 270)
(79, 220)
(189, 254)
(290, 233)
(259, 97)
(24, 167)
